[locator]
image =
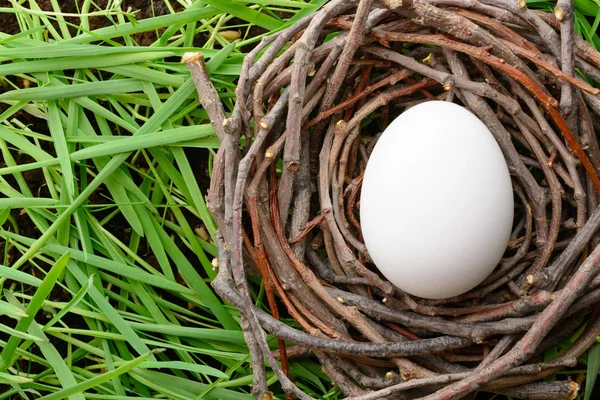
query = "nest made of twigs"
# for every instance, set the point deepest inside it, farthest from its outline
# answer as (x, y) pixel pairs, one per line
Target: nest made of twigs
(310, 109)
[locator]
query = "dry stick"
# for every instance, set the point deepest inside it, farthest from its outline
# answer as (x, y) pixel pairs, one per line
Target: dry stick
(215, 199)
(576, 350)
(354, 40)
(251, 70)
(263, 266)
(237, 183)
(568, 158)
(404, 349)
(527, 345)
(558, 169)
(494, 12)
(442, 311)
(543, 63)
(476, 332)
(423, 13)
(224, 285)
(364, 380)
(294, 352)
(589, 139)
(300, 214)
(568, 103)
(274, 151)
(504, 344)
(547, 279)
(303, 186)
(320, 130)
(351, 158)
(347, 386)
(482, 54)
(390, 80)
(545, 32)
(331, 252)
(592, 102)
(316, 86)
(588, 68)
(326, 273)
(284, 270)
(514, 309)
(441, 379)
(329, 51)
(209, 98)
(302, 196)
(322, 329)
(364, 23)
(544, 257)
(252, 332)
(561, 390)
(291, 152)
(341, 248)
(338, 212)
(338, 184)
(499, 29)
(432, 361)
(316, 311)
(234, 196)
(584, 49)
(506, 266)
(259, 381)
(207, 94)
(307, 228)
(353, 196)
(343, 129)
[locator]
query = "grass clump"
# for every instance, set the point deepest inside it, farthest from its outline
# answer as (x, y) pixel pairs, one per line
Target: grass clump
(106, 243)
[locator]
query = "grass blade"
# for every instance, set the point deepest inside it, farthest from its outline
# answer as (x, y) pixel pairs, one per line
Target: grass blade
(19, 276)
(593, 368)
(60, 144)
(9, 379)
(11, 311)
(97, 380)
(32, 308)
(67, 92)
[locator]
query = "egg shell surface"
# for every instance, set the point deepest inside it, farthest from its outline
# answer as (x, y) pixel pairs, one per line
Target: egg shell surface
(436, 203)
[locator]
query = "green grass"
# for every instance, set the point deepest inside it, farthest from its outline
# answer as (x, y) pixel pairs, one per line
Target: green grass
(587, 17)
(107, 241)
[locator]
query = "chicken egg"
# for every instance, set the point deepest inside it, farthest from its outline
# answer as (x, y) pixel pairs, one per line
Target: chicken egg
(436, 203)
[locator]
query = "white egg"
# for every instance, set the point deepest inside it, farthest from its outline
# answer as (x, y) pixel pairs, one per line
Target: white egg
(436, 204)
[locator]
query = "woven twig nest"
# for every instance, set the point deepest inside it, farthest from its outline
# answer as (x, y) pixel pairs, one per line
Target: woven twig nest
(287, 178)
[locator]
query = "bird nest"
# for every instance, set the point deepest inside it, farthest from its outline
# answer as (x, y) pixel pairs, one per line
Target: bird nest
(312, 100)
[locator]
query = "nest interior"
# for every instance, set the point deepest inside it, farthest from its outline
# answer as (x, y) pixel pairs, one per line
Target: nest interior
(311, 102)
